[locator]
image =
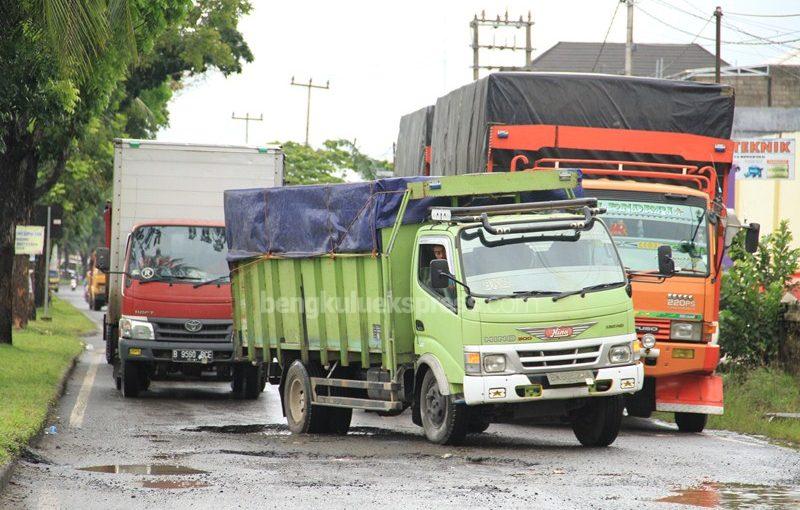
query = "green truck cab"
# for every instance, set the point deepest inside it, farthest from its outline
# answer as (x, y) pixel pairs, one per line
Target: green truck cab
(505, 310)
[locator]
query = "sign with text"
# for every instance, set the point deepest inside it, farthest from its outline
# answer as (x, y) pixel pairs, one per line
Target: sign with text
(29, 240)
(764, 158)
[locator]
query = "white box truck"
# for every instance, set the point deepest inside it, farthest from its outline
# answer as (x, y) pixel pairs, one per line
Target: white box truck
(169, 299)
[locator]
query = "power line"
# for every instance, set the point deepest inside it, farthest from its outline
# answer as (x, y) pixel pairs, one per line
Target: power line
(694, 39)
(765, 42)
(603, 46)
(765, 15)
(732, 27)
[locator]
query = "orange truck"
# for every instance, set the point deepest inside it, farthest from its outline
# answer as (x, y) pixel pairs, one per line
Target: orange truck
(657, 154)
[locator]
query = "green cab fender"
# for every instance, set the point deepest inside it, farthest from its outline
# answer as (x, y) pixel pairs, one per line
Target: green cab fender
(443, 364)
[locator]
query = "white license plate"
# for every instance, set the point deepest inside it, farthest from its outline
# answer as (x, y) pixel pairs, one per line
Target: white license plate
(557, 378)
(192, 355)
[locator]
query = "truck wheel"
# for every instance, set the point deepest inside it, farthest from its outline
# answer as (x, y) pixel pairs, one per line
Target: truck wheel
(252, 378)
(302, 416)
(130, 380)
(111, 351)
(691, 422)
(598, 422)
(479, 422)
(443, 421)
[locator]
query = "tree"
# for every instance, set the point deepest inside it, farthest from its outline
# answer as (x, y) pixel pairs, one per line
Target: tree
(61, 61)
(751, 316)
(328, 164)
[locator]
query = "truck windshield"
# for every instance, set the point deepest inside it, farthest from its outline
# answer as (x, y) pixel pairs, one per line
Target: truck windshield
(639, 228)
(496, 265)
(192, 253)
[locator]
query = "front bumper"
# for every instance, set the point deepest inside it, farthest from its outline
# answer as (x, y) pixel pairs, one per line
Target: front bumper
(158, 351)
(499, 389)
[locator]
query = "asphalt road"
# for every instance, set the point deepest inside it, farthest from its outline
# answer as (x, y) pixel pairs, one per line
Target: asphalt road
(247, 459)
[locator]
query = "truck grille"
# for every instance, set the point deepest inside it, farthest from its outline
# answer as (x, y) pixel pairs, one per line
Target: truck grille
(575, 357)
(174, 330)
(658, 327)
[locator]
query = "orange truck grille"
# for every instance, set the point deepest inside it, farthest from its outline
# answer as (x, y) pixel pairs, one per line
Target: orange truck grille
(658, 327)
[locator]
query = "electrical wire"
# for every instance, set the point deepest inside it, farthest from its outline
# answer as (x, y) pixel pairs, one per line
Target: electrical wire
(694, 39)
(603, 46)
(765, 15)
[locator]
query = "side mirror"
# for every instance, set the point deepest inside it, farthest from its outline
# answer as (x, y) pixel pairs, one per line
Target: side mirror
(666, 265)
(440, 274)
(751, 238)
(101, 259)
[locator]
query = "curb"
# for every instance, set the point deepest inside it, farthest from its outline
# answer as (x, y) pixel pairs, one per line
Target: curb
(7, 470)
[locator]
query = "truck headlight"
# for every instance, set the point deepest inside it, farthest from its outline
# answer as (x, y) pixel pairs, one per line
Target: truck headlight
(619, 354)
(691, 331)
(136, 328)
(648, 340)
(494, 363)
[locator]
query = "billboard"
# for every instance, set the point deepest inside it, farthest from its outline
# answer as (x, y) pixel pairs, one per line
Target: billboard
(764, 158)
(29, 240)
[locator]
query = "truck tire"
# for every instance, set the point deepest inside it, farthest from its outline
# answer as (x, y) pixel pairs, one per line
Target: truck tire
(237, 380)
(111, 351)
(443, 421)
(252, 377)
(479, 422)
(599, 421)
(691, 422)
(130, 380)
(301, 415)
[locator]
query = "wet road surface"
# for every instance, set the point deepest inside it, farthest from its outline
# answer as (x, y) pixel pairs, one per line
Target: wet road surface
(190, 445)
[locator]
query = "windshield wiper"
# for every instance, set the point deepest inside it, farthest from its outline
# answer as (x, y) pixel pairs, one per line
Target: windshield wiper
(168, 279)
(591, 288)
(213, 280)
(521, 294)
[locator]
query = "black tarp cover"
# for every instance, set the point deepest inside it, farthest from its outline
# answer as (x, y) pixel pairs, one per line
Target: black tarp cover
(306, 221)
(412, 138)
(462, 119)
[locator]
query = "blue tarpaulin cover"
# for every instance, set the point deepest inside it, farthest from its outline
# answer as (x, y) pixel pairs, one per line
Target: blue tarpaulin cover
(305, 221)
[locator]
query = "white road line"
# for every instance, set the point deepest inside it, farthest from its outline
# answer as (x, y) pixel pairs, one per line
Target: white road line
(76, 418)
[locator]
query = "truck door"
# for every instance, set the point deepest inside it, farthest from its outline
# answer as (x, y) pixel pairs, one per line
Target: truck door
(437, 323)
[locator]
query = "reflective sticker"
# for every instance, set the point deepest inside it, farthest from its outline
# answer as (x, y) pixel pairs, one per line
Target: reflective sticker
(497, 393)
(147, 273)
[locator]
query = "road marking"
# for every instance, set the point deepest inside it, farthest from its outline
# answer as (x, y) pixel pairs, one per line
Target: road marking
(76, 418)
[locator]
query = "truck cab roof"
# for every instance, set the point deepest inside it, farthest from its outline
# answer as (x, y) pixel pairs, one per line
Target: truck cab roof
(646, 187)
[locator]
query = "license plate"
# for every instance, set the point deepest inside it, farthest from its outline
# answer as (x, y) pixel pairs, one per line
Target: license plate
(192, 355)
(557, 378)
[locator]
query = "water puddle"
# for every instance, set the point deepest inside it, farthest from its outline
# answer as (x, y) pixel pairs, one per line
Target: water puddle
(267, 428)
(144, 469)
(173, 484)
(735, 495)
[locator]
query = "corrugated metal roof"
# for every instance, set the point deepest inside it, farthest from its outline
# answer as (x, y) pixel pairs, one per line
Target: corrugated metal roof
(654, 60)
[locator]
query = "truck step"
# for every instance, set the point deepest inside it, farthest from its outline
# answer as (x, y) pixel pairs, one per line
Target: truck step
(358, 403)
(351, 383)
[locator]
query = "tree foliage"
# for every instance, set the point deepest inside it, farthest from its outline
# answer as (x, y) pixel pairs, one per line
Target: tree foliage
(751, 319)
(329, 164)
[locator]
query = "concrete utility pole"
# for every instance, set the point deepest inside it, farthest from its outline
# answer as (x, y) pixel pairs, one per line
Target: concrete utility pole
(310, 85)
(629, 40)
(46, 314)
(495, 24)
(718, 15)
(247, 119)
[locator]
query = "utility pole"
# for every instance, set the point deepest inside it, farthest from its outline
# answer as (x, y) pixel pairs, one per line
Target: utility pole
(629, 40)
(495, 24)
(46, 314)
(310, 85)
(718, 15)
(247, 119)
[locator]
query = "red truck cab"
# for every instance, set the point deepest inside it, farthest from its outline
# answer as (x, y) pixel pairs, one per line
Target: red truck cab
(176, 311)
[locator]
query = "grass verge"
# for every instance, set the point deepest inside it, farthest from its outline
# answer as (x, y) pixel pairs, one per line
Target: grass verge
(749, 395)
(30, 371)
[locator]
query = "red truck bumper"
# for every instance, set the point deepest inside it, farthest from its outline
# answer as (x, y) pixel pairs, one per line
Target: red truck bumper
(689, 393)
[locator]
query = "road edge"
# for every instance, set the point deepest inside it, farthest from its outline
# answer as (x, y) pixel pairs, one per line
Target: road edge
(7, 469)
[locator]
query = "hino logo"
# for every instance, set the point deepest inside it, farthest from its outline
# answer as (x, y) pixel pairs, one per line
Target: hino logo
(193, 326)
(557, 332)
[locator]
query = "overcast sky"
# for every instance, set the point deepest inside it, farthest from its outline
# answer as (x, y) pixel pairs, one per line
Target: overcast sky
(388, 58)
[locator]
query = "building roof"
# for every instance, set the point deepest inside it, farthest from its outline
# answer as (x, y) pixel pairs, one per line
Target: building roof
(654, 60)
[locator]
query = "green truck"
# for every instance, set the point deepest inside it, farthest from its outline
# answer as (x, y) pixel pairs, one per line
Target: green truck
(471, 299)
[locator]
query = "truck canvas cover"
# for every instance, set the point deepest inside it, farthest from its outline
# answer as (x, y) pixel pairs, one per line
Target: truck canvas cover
(413, 137)
(306, 221)
(462, 119)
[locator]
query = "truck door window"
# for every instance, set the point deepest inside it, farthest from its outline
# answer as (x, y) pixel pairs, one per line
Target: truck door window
(428, 251)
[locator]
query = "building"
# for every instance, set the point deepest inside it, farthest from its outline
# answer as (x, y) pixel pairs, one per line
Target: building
(776, 85)
(653, 60)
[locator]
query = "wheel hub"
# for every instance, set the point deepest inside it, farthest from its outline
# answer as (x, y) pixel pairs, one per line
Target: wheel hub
(435, 405)
(297, 400)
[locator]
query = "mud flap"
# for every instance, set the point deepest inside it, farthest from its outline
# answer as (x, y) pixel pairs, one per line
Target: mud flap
(689, 393)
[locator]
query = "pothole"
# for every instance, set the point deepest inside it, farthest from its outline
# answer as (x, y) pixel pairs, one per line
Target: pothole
(735, 495)
(144, 469)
